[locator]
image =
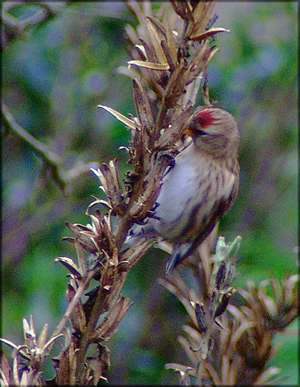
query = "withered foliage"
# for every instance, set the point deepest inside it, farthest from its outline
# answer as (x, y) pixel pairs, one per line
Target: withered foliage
(171, 50)
(230, 348)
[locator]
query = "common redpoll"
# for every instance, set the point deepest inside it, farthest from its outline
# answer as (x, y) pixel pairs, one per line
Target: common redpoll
(199, 188)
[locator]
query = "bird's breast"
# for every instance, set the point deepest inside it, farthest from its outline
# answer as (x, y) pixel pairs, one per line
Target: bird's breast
(190, 189)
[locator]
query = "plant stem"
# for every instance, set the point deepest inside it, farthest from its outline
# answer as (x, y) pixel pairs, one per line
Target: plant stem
(72, 304)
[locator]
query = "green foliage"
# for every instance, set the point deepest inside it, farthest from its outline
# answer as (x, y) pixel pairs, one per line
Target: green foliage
(53, 80)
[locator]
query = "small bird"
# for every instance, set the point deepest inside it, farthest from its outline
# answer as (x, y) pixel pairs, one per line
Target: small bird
(198, 189)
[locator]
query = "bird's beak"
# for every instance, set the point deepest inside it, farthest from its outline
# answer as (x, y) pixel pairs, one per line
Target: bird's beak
(192, 125)
(189, 132)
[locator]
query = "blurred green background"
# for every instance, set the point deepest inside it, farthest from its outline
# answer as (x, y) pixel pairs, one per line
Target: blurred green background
(53, 80)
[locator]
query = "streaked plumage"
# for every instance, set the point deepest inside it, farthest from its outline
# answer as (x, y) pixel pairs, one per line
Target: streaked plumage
(199, 189)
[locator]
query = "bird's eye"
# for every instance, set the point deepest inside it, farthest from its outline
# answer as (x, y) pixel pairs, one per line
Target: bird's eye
(201, 132)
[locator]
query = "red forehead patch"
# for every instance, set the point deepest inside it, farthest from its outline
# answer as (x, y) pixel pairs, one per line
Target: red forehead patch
(205, 118)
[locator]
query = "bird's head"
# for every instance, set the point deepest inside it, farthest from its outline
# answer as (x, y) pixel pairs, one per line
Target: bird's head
(215, 132)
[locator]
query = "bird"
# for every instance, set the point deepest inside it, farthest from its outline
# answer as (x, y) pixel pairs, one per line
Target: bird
(198, 188)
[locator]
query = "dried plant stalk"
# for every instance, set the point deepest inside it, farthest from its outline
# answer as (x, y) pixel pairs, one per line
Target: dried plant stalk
(230, 348)
(169, 58)
(171, 51)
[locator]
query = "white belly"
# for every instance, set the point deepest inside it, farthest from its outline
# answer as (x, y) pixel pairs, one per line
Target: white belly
(178, 186)
(180, 194)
